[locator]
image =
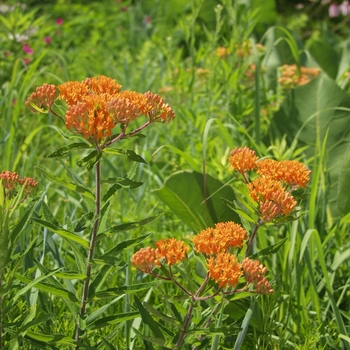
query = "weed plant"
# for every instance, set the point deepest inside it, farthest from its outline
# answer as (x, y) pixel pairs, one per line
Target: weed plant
(235, 79)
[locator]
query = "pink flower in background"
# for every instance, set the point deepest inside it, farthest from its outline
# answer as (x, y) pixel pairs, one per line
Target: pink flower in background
(27, 49)
(59, 21)
(345, 8)
(148, 19)
(26, 60)
(47, 39)
(333, 10)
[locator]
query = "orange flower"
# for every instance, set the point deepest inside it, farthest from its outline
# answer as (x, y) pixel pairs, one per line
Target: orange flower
(224, 269)
(221, 238)
(291, 172)
(102, 85)
(29, 184)
(291, 76)
(172, 250)
(73, 92)
(159, 111)
(144, 259)
(90, 118)
(44, 96)
(242, 159)
(272, 198)
(255, 272)
(9, 179)
(294, 173)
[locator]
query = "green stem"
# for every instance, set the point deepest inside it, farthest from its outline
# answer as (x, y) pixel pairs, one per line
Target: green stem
(91, 252)
(258, 224)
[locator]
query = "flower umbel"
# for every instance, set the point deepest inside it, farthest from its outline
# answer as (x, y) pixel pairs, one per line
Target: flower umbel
(145, 259)
(255, 272)
(242, 159)
(224, 269)
(172, 250)
(44, 96)
(221, 238)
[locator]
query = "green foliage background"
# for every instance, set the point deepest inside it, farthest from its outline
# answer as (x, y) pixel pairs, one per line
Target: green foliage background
(170, 47)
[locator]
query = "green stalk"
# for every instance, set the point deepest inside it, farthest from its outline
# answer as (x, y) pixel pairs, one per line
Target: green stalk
(91, 252)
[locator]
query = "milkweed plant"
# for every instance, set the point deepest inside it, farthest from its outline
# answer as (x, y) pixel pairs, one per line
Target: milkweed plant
(98, 112)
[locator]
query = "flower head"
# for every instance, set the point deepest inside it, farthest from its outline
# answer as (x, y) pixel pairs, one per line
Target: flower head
(59, 21)
(90, 118)
(158, 110)
(172, 250)
(242, 159)
(221, 238)
(47, 40)
(255, 272)
(27, 49)
(224, 269)
(28, 183)
(44, 96)
(145, 259)
(9, 179)
(290, 172)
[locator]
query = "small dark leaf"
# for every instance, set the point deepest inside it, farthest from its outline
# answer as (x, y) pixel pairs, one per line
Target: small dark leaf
(64, 150)
(127, 152)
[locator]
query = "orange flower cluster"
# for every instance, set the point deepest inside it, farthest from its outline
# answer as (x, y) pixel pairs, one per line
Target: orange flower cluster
(222, 51)
(292, 77)
(224, 269)
(10, 180)
(291, 172)
(220, 239)
(145, 259)
(270, 188)
(242, 159)
(44, 96)
(172, 250)
(96, 105)
(272, 198)
(255, 273)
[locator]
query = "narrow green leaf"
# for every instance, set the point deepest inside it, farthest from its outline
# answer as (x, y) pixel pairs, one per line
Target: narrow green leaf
(90, 160)
(111, 292)
(62, 232)
(60, 152)
(113, 319)
(48, 288)
(123, 181)
(127, 152)
(273, 248)
(70, 185)
(54, 338)
(148, 320)
(125, 244)
(130, 225)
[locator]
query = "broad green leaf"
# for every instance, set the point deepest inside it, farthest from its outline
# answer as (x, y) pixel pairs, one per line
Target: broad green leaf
(308, 113)
(64, 150)
(185, 193)
(343, 195)
(70, 185)
(63, 233)
(128, 226)
(126, 152)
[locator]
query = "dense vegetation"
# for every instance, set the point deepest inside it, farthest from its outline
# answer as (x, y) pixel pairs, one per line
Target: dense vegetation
(271, 77)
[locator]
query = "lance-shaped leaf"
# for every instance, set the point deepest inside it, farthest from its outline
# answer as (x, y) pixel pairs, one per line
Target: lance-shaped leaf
(128, 226)
(48, 288)
(90, 160)
(126, 152)
(111, 320)
(112, 253)
(196, 199)
(70, 185)
(70, 236)
(122, 181)
(60, 152)
(112, 292)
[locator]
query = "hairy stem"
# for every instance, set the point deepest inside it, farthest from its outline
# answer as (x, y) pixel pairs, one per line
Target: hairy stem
(258, 224)
(91, 252)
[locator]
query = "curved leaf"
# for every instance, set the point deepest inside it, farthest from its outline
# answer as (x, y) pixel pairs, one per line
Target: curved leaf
(185, 193)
